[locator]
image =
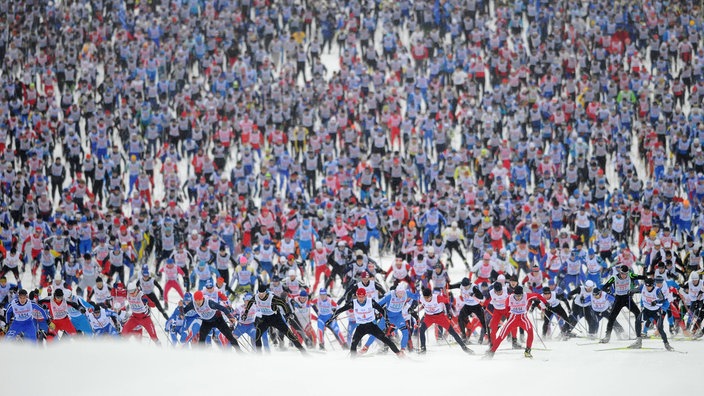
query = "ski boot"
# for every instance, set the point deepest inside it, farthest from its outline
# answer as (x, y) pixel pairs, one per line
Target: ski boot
(606, 339)
(364, 350)
(384, 350)
(321, 347)
(669, 347)
(515, 344)
(637, 345)
(527, 353)
(488, 355)
(400, 354)
(567, 335)
(422, 351)
(467, 350)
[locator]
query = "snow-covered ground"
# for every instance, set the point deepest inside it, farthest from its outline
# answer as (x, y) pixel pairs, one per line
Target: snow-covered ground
(76, 367)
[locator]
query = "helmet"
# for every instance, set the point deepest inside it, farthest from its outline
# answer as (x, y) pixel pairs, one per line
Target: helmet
(361, 292)
(197, 296)
(589, 284)
(303, 293)
(465, 282)
(518, 290)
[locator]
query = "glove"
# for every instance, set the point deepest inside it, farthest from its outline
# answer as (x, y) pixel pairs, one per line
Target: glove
(582, 300)
(289, 316)
(83, 310)
(328, 322)
(653, 303)
(387, 323)
(52, 326)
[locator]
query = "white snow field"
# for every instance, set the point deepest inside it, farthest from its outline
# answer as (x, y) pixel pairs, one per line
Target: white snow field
(82, 367)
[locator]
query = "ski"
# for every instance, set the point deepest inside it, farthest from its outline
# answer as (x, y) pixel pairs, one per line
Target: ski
(639, 349)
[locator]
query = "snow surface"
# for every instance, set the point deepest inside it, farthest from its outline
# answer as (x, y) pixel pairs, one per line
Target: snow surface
(138, 367)
(79, 367)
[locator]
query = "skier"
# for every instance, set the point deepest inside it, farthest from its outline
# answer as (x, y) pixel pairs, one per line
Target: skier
(554, 308)
(437, 310)
(581, 305)
(499, 311)
(518, 306)
(324, 307)
(20, 316)
(301, 322)
(652, 301)
(103, 321)
(211, 316)
(247, 325)
(171, 273)
(147, 283)
(58, 309)
(271, 308)
(394, 302)
(363, 310)
(141, 316)
(622, 282)
(601, 304)
(471, 298)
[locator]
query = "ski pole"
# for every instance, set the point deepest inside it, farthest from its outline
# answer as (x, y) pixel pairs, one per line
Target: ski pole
(536, 332)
